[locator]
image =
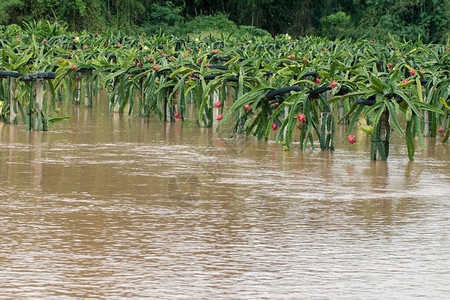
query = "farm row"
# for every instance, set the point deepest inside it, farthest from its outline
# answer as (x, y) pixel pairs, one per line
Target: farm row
(292, 86)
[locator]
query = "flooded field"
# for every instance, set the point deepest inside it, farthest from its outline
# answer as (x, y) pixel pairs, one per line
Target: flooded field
(106, 206)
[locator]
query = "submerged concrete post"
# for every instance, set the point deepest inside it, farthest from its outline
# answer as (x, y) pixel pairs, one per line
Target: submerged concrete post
(10, 94)
(39, 104)
(37, 116)
(326, 125)
(426, 123)
(12, 102)
(380, 138)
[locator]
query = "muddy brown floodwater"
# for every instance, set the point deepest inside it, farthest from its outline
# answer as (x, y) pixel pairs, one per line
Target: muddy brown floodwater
(105, 206)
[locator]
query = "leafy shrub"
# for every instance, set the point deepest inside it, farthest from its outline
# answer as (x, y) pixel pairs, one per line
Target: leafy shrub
(251, 31)
(336, 25)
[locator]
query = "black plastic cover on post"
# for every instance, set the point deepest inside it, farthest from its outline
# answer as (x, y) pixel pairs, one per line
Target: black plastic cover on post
(324, 88)
(41, 75)
(343, 91)
(372, 100)
(137, 72)
(271, 95)
(218, 67)
(4, 74)
(313, 74)
(308, 74)
(369, 102)
(211, 77)
(317, 91)
(218, 58)
(83, 69)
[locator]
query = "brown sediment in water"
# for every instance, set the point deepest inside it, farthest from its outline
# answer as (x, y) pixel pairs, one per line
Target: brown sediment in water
(109, 206)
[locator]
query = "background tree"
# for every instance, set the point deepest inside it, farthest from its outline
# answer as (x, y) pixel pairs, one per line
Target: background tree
(407, 19)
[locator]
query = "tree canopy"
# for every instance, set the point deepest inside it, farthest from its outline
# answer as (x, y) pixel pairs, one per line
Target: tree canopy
(408, 19)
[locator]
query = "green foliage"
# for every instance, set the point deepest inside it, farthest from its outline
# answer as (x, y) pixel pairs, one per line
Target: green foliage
(161, 75)
(207, 24)
(10, 11)
(251, 31)
(12, 30)
(428, 20)
(162, 17)
(336, 25)
(339, 19)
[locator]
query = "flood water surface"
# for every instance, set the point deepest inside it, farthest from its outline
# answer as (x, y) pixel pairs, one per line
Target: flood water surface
(105, 206)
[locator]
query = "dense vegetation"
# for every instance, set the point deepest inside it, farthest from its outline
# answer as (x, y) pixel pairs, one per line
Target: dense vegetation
(292, 90)
(428, 20)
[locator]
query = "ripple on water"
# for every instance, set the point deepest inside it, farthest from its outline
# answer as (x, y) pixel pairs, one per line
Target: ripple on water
(156, 211)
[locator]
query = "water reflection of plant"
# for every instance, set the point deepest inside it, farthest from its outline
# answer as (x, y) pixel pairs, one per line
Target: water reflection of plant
(195, 183)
